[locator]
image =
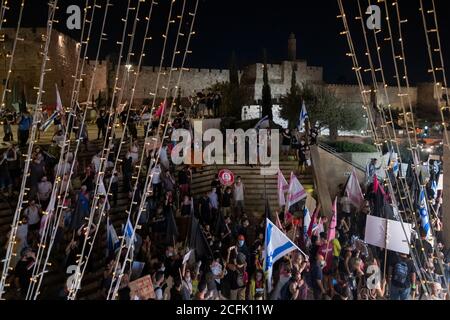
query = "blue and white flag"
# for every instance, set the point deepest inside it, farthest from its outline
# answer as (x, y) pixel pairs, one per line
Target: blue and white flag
(261, 122)
(393, 162)
(129, 232)
(277, 245)
(302, 118)
(111, 237)
(434, 187)
(49, 121)
(423, 211)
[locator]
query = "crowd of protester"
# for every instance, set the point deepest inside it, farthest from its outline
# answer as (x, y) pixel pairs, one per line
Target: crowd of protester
(228, 241)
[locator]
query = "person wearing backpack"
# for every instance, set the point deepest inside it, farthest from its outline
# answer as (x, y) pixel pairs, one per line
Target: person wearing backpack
(402, 278)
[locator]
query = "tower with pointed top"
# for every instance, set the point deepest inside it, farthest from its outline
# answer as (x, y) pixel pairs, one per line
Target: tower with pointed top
(292, 47)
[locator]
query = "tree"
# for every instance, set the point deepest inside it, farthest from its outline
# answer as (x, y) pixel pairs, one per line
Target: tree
(234, 91)
(323, 107)
(291, 102)
(266, 92)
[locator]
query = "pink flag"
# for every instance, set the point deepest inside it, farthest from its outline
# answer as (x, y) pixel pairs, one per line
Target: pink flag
(353, 191)
(376, 186)
(296, 192)
(161, 109)
(313, 222)
(278, 222)
(283, 187)
(333, 222)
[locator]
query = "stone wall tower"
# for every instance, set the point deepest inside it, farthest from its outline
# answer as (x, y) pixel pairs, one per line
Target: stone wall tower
(292, 47)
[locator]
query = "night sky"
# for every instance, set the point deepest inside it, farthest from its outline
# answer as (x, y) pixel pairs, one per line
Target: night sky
(248, 26)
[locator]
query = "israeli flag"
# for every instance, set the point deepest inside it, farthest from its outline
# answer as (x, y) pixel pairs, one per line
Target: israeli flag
(129, 232)
(423, 211)
(393, 162)
(303, 117)
(111, 237)
(434, 188)
(277, 245)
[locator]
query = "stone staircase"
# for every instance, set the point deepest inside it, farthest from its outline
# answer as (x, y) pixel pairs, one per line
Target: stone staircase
(256, 185)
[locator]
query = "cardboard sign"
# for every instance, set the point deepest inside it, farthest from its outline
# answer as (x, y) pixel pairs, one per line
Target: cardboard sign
(398, 236)
(142, 288)
(226, 177)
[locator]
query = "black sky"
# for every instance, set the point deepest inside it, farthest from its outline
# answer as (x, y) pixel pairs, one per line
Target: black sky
(248, 26)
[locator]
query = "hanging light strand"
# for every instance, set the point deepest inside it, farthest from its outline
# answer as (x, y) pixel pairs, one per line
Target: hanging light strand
(37, 109)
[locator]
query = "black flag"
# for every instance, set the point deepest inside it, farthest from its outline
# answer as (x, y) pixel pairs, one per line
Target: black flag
(23, 103)
(198, 241)
(172, 230)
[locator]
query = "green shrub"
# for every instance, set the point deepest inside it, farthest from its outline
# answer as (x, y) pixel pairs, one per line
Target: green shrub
(345, 146)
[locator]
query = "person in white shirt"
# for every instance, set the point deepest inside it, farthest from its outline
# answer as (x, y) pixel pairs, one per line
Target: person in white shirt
(239, 195)
(133, 153)
(32, 212)
(44, 190)
(96, 162)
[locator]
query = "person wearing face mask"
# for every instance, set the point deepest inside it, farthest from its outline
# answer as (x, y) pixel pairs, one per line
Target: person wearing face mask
(244, 227)
(44, 191)
(242, 247)
(302, 152)
(216, 275)
(317, 278)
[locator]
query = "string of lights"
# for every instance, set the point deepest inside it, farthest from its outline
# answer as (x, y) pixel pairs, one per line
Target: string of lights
(89, 103)
(11, 55)
(37, 274)
(412, 148)
(3, 8)
(136, 177)
(105, 152)
(403, 191)
(366, 102)
(434, 66)
(112, 294)
(101, 212)
(23, 190)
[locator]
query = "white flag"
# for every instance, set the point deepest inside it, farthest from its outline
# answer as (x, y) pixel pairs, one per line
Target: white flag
(296, 191)
(187, 256)
(282, 188)
(59, 106)
(353, 190)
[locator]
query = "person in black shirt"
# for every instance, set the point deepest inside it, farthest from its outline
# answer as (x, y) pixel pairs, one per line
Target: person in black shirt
(302, 152)
(402, 278)
(24, 271)
(226, 202)
(286, 143)
(183, 181)
(175, 291)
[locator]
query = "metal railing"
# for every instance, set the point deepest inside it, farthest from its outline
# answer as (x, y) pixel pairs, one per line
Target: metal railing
(333, 151)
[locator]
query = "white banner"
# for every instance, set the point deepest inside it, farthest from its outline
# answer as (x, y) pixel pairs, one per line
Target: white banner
(396, 240)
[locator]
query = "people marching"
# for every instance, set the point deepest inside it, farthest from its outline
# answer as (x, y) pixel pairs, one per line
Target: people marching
(209, 246)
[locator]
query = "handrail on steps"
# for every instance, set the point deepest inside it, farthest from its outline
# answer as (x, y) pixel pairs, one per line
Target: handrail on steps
(333, 151)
